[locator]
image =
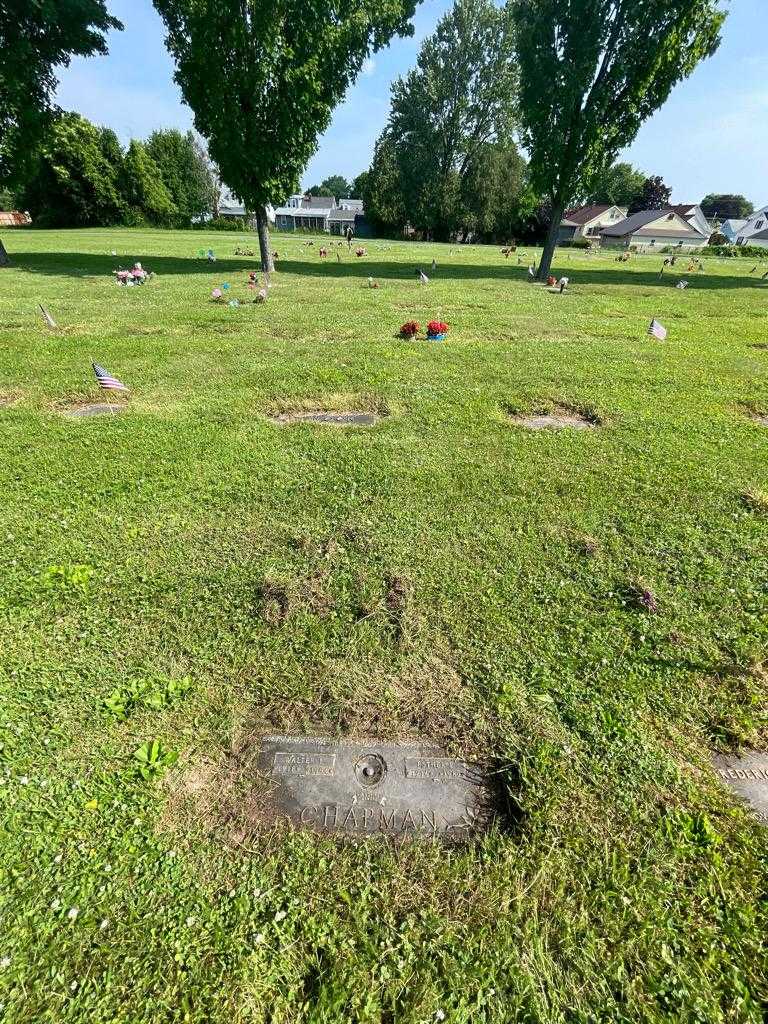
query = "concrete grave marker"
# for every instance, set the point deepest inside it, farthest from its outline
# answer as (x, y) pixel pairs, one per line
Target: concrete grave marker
(747, 776)
(335, 419)
(93, 409)
(360, 788)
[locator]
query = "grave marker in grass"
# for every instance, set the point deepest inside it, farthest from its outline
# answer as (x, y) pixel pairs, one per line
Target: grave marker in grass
(359, 789)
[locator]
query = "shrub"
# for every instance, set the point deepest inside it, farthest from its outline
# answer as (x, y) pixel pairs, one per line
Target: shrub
(753, 252)
(223, 224)
(717, 238)
(576, 243)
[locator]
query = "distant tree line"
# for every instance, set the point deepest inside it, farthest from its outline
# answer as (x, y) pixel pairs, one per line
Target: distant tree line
(80, 176)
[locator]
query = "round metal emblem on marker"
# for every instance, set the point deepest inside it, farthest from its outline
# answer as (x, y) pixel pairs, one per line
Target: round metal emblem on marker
(370, 769)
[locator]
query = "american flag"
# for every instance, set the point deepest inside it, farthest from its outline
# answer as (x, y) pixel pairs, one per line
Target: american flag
(656, 330)
(106, 380)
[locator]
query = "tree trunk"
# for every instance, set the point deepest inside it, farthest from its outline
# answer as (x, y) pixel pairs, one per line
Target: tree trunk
(262, 226)
(551, 243)
(4, 261)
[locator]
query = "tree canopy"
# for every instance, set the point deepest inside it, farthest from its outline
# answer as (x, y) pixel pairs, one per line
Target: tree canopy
(619, 185)
(335, 185)
(460, 98)
(184, 170)
(727, 207)
(654, 195)
(262, 78)
(591, 73)
(35, 38)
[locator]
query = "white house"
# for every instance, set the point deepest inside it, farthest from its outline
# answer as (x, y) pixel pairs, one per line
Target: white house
(732, 229)
(230, 206)
(694, 216)
(588, 221)
(653, 229)
(755, 231)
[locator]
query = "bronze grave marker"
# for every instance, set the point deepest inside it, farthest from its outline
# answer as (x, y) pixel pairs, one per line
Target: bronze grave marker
(362, 788)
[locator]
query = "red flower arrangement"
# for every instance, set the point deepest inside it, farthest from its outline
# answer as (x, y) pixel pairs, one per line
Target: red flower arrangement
(409, 329)
(436, 329)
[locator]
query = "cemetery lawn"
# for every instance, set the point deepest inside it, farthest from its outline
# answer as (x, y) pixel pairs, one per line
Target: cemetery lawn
(585, 610)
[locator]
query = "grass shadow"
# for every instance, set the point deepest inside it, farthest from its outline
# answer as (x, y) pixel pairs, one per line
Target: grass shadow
(81, 265)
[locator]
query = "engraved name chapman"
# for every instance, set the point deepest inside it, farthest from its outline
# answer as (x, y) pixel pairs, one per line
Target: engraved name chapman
(367, 788)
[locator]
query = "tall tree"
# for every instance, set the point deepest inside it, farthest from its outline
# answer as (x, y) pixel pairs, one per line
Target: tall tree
(263, 76)
(654, 195)
(384, 194)
(335, 185)
(460, 97)
(144, 190)
(619, 185)
(184, 170)
(592, 71)
(358, 185)
(35, 38)
(726, 207)
(74, 182)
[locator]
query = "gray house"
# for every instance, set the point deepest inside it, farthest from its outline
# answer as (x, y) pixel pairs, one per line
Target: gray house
(652, 229)
(322, 214)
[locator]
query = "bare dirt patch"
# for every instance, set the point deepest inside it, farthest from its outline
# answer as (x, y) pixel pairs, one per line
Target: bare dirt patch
(7, 399)
(333, 410)
(336, 419)
(425, 700)
(555, 417)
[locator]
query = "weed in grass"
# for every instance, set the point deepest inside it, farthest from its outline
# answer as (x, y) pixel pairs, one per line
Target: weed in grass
(755, 500)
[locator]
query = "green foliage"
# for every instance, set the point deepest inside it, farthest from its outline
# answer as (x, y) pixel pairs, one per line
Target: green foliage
(335, 185)
(75, 577)
(591, 74)
(654, 195)
(493, 193)
(619, 185)
(717, 238)
(754, 252)
(459, 99)
(575, 243)
(153, 693)
(359, 185)
(74, 183)
(143, 187)
(185, 172)
(223, 224)
(152, 758)
(263, 76)
(726, 207)
(36, 38)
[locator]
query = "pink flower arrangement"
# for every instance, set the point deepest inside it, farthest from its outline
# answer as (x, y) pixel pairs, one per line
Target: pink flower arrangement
(437, 330)
(360, 252)
(137, 275)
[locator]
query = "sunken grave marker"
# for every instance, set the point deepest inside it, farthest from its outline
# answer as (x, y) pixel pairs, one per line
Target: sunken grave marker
(747, 776)
(358, 788)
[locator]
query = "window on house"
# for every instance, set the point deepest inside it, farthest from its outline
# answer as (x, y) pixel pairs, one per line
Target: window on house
(740, 240)
(758, 225)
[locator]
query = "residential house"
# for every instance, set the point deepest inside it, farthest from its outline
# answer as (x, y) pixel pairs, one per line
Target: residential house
(588, 221)
(694, 216)
(321, 213)
(755, 231)
(305, 212)
(732, 229)
(229, 206)
(653, 229)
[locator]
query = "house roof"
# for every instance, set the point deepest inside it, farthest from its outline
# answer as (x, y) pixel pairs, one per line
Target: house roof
(344, 214)
(683, 209)
(584, 214)
(318, 202)
(303, 211)
(14, 219)
(635, 224)
(733, 224)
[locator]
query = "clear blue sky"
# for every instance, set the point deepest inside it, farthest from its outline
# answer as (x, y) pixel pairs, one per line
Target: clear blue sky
(711, 136)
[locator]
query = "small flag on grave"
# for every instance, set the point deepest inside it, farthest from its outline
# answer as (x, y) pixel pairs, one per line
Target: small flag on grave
(106, 380)
(682, 285)
(49, 321)
(423, 279)
(656, 330)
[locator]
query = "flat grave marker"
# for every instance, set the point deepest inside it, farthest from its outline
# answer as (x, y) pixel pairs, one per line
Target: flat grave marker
(335, 419)
(747, 776)
(93, 409)
(359, 788)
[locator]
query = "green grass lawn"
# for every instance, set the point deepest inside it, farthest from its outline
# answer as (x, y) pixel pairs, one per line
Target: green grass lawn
(140, 556)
